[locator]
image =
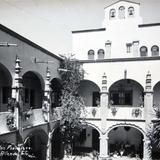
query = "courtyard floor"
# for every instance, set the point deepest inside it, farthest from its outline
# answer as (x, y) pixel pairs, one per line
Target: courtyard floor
(94, 158)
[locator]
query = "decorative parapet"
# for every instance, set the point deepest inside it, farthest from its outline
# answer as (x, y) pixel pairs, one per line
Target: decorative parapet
(104, 83)
(126, 112)
(114, 110)
(46, 100)
(148, 82)
(136, 112)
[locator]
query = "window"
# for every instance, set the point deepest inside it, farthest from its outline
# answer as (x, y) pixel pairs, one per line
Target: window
(129, 46)
(96, 99)
(100, 54)
(26, 95)
(143, 51)
(112, 13)
(155, 50)
(6, 93)
(91, 54)
(130, 12)
(121, 97)
(121, 12)
(30, 97)
(108, 48)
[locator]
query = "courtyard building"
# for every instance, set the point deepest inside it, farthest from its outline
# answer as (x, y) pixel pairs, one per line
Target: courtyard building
(120, 90)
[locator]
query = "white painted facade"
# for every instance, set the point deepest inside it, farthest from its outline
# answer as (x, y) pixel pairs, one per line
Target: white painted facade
(131, 53)
(119, 32)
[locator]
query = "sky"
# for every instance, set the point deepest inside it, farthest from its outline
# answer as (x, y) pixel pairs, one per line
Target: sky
(49, 22)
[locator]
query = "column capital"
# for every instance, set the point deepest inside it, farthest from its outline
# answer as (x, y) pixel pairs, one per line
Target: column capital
(148, 87)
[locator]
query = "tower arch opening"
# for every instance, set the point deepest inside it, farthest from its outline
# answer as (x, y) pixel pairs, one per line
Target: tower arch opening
(125, 140)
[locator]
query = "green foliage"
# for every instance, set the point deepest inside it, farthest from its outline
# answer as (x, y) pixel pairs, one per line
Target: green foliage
(156, 131)
(72, 105)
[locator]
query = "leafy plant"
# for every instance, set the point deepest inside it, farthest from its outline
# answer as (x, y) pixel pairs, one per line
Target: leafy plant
(72, 105)
(155, 132)
(10, 121)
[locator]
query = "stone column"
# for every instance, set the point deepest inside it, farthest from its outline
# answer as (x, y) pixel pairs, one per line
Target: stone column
(108, 49)
(17, 94)
(49, 147)
(104, 110)
(148, 115)
(103, 147)
(47, 101)
(148, 100)
(104, 103)
(146, 149)
(47, 111)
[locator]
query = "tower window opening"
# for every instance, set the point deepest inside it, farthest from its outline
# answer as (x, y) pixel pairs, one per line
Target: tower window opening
(155, 50)
(112, 13)
(121, 12)
(130, 12)
(143, 51)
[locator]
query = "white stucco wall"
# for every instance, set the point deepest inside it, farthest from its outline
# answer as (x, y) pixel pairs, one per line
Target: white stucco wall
(119, 32)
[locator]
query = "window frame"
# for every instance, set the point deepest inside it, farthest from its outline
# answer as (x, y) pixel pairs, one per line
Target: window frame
(128, 47)
(111, 12)
(131, 15)
(155, 53)
(91, 55)
(143, 52)
(101, 53)
(121, 97)
(121, 12)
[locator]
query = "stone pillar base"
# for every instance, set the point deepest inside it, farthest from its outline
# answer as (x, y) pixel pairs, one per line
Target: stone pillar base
(103, 158)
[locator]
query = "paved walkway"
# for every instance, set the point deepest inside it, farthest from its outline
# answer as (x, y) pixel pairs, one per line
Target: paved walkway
(92, 158)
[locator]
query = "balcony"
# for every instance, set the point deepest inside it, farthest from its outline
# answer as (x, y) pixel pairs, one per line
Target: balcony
(126, 112)
(114, 112)
(33, 118)
(89, 113)
(3, 118)
(92, 112)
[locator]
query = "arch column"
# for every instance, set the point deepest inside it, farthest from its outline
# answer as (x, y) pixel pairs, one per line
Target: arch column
(104, 103)
(148, 114)
(146, 149)
(148, 100)
(103, 147)
(18, 108)
(46, 111)
(49, 147)
(47, 100)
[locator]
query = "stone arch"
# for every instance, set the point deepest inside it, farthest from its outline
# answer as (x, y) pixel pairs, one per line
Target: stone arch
(33, 89)
(90, 92)
(94, 126)
(56, 88)
(126, 140)
(133, 92)
(8, 75)
(38, 75)
(128, 125)
(36, 143)
(5, 87)
(156, 95)
(118, 80)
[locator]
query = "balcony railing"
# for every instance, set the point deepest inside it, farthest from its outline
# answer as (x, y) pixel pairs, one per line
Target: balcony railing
(3, 119)
(126, 112)
(92, 112)
(36, 116)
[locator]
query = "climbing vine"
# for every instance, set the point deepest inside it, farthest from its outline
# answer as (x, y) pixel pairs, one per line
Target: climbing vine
(72, 104)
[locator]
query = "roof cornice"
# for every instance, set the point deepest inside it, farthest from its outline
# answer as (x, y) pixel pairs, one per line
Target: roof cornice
(121, 1)
(29, 42)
